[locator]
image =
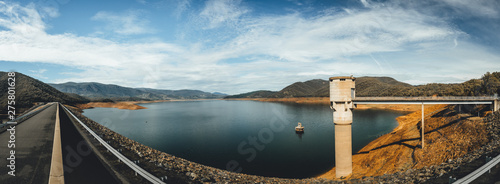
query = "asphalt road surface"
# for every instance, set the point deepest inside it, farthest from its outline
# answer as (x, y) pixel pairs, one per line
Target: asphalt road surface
(81, 165)
(33, 149)
(33, 152)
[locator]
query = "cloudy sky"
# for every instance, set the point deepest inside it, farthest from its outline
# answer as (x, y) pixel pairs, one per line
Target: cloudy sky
(236, 46)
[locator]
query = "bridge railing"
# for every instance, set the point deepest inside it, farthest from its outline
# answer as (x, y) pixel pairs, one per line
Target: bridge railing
(148, 176)
(430, 98)
(27, 115)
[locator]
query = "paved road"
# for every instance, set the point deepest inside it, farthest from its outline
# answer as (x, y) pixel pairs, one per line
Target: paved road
(33, 151)
(81, 165)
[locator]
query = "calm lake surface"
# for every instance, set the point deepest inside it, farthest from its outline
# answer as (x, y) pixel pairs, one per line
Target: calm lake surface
(248, 136)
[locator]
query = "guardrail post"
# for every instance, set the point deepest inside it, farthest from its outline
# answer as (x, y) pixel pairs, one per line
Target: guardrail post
(164, 178)
(452, 180)
(423, 125)
(488, 159)
(496, 105)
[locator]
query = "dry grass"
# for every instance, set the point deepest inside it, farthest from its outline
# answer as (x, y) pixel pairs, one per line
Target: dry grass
(395, 107)
(448, 135)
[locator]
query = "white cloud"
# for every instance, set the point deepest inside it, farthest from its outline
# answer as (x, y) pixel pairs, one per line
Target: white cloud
(222, 12)
(333, 36)
(131, 22)
(485, 8)
(22, 20)
(267, 52)
(141, 1)
(365, 3)
(38, 73)
(296, 2)
(182, 6)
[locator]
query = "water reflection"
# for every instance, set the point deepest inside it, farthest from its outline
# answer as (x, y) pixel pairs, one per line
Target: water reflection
(299, 134)
(217, 132)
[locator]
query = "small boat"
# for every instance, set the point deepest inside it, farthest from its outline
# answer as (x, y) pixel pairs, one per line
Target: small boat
(299, 128)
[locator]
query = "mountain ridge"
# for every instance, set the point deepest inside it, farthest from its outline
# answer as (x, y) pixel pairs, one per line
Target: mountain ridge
(29, 90)
(488, 84)
(97, 91)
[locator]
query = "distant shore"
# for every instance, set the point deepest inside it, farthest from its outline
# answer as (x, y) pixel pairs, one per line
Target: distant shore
(403, 158)
(326, 101)
(130, 105)
(133, 105)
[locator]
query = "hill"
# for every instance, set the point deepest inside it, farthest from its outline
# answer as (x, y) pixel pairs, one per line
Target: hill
(370, 86)
(488, 84)
(365, 86)
(379, 86)
(254, 94)
(98, 91)
(29, 90)
(303, 89)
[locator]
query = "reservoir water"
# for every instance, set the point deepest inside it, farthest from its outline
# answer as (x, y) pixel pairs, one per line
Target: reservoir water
(246, 136)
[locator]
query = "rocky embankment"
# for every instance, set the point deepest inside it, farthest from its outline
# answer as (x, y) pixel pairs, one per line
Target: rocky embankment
(456, 168)
(455, 145)
(178, 169)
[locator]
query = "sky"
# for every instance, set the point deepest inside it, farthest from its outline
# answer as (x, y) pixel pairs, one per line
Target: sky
(237, 46)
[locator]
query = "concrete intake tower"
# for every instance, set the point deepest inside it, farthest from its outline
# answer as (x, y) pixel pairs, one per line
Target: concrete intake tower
(342, 92)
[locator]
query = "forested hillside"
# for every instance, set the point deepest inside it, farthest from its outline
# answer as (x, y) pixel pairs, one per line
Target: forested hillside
(29, 90)
(487, 85)
(98, 91)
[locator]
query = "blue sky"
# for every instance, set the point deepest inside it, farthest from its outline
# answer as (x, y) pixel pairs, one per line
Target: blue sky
(236, 46)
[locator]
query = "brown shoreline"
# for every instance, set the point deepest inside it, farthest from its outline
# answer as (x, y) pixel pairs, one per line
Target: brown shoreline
(402, 147)
(326, 101)
(133, 105)
(468, 134)
(130, 105)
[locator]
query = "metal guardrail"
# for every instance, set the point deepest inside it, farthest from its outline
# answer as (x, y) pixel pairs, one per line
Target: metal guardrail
(148, 176)
(479, 172)
(426, 100)
(429, 98)
(24, 117)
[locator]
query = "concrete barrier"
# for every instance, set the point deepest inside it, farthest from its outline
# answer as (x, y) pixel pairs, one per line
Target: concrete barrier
(56, 166)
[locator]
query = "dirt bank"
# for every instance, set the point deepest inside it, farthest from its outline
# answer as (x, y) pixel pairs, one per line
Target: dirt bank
(326, 101)
(448, 135)
(130, 105)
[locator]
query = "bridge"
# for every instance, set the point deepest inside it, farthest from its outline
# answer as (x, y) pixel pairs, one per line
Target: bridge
(491, 100)
(49, 148)
(343, 100)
